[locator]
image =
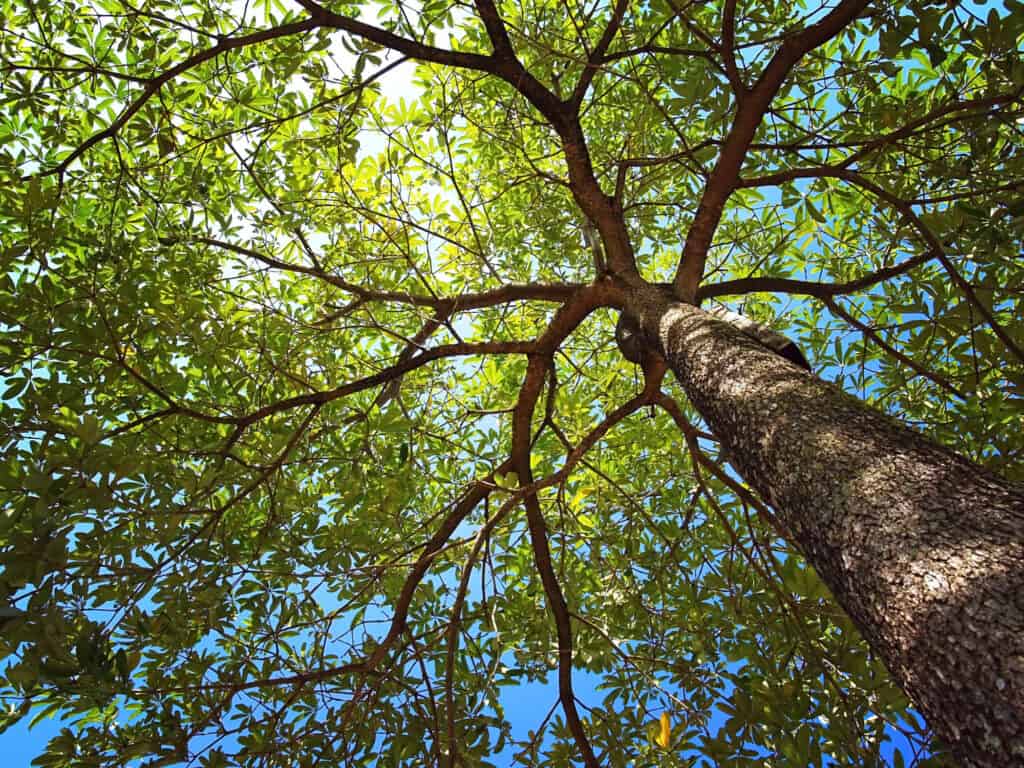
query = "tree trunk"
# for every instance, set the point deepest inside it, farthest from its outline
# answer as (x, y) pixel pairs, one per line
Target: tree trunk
(922, 548)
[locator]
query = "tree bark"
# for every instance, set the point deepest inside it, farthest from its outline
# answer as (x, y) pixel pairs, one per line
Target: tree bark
(922, 548)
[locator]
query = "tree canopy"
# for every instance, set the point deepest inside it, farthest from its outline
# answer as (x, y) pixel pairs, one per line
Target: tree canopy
(318, 445)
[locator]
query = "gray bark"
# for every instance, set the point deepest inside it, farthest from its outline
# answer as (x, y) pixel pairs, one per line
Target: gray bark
(922, 548)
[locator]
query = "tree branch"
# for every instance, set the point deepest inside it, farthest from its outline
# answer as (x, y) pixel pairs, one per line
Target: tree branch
(871, 334)
(597, 56)
(454, 621)
(322, 397)
(497, 33)
(819, 290)
(565, 322)
(411, 48)
(937, 248)
(158, 82)
(749, 114)
(386, 375)
(476, 493)
(732, 72)
(554, 292)
(542, 555)
(906, 210)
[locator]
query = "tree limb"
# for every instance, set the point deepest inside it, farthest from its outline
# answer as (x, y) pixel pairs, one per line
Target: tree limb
(597, 56)
(155, 84)
(819, 290)
(749, 114)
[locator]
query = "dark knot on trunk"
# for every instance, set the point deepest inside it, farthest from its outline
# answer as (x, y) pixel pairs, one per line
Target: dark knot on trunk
(629, 338)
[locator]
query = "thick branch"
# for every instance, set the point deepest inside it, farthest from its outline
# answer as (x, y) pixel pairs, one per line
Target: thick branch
(732, 72)
(749, 114)
(542, 555)
(566, 320)
(907, 212)
(555, 292)
(574, 456)
(808, 287)
(495, 26)
(411, 48)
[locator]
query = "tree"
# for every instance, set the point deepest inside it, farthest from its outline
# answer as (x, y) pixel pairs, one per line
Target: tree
(318, 437)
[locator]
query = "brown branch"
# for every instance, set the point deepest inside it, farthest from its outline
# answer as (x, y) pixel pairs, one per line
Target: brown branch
(390, 391)
(691, 433)
(298, 679)
(453, 622)
(430, 697)
(386, 375)
(158, 82)
(597, 56)
(907, 212)
(267, 471)
(909, 128)
(649, 396)
(368, 666)
(476, 493)
(1010, 186)
(732, 72)
(574, 456)
(871, 334)
(565, 322)
(808, 287)
(792, 174)
(505, 64)
(748, 118)
(563, 117)
(497, 33)
(411, 48)
(508, 68)
(86, 68)
(940, 252)
(322, 397)
(555, 292)
(542, 557)
(154, 416)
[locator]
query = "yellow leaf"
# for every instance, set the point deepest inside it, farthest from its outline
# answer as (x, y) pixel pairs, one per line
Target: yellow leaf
(576, 502)
(665, 732)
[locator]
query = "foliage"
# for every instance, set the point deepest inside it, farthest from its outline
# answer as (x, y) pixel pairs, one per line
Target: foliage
(277, 283)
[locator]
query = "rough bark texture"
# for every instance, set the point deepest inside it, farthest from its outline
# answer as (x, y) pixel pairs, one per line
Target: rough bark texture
(923, 549)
